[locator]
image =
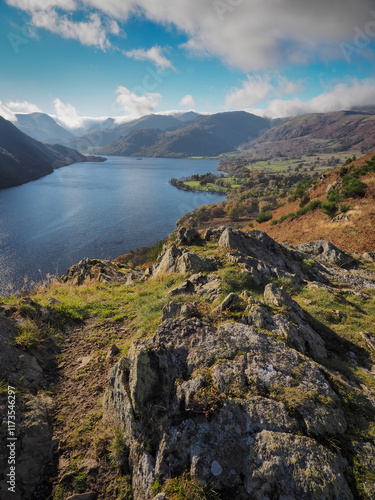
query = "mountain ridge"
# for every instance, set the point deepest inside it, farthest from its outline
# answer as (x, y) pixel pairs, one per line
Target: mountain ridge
(42, 127)
(317, 133)
(203, 136)
(24, 159)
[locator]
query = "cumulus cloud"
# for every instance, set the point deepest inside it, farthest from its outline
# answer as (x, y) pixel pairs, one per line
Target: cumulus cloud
(154, 55)
(188, 100)
(251, 35)
(254, 35)
(91, 32)
(23, 107)
(342, 96)
(135, 105)
(67, 116)
(6, 113)
(260, 87)
(34, 5)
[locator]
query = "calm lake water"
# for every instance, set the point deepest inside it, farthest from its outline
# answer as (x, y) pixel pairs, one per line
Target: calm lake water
(92, 210)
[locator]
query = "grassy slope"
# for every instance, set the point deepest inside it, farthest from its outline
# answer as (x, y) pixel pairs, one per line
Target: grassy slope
(93, 317)
(354, 235)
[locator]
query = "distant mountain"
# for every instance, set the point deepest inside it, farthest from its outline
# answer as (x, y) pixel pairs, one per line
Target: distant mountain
(42, 127)
(364, 109)
(102, 137)
(317, 133)
(155, 142)
(203, 136)
(185, 116)
(23, 159)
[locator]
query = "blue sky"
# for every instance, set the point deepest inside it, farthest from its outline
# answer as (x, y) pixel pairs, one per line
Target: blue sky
(125, 58)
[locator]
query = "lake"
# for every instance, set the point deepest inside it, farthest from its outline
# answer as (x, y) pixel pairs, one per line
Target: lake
(95, 210)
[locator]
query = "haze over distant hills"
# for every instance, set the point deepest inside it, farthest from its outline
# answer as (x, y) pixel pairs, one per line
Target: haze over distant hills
(182, 134)
(23, 159)
(42, 128)
(101, 137)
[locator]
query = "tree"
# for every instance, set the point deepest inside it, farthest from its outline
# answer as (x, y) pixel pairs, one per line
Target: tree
(234, 212)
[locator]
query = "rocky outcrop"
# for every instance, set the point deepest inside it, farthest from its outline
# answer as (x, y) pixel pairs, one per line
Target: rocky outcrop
(199, 284)
(187, 236)
(180, 260)
(326, 252)
(369, 256)
(264, 258)
(292, 324)
(202, 399)
(33, 410)
(101, 271)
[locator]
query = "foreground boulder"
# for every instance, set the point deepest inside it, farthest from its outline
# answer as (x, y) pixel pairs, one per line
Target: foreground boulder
(101, 271)
(180, 260)
(264, 258)
(33, 413)
(188, 236)
(327, 252)
(203, 400)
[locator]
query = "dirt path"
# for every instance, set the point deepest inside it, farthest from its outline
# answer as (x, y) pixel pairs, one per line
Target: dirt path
(82, 456)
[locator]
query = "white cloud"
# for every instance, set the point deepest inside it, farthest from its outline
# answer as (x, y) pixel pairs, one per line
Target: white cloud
(154, 55)
(34, 5)
(6, 113)
(254, 90)
(23, 107)
(259, 88)
(188, 100)
(91, 32)
(114, 28)
(67, 115)
(135, 105)
(342, 96)
(252, 35)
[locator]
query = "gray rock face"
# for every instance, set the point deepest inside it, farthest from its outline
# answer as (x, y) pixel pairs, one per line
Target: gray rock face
(325, 251)
(366, 458)
(187, 236)
(97, 270)
(16, 364)
(291, 324)
(202, 399)
(174, 310)
(33, 448)
(213, 233)
(369, 256)
(199, 284)
(177, 260)
(232, 302)
(264, 258)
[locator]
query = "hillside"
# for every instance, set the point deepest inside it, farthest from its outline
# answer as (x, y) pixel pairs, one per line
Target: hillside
(312, 204)
(42, 127)
(203, 136)
(153, 142)
(23, 159)
(352, 230)
(230, 367)
(317, 133)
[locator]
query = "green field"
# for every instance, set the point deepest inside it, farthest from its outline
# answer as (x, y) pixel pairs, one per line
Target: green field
(195, 185)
